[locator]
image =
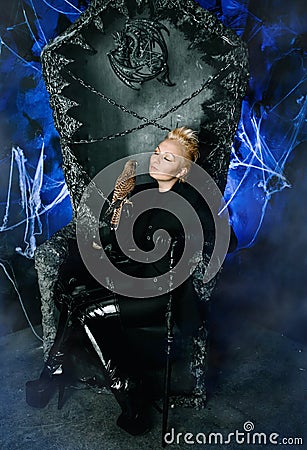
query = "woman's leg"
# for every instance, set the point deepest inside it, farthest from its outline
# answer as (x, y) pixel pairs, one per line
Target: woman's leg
(102, 323)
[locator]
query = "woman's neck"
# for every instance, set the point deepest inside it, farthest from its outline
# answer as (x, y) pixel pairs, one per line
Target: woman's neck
(165, 186)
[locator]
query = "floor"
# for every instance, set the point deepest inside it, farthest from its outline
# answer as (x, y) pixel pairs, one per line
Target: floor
(257, 383)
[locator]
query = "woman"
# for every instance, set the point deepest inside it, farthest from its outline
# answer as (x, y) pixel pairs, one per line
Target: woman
(120, 327)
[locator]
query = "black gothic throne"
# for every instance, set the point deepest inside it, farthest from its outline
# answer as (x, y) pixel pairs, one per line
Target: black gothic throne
(119, 78)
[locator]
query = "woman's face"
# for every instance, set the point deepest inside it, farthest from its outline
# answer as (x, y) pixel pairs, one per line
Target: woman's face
(167, 163)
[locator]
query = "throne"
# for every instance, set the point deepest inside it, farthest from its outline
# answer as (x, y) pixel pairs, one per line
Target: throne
(123, 75)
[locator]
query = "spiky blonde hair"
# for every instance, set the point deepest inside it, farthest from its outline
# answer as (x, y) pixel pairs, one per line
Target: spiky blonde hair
(188, 139)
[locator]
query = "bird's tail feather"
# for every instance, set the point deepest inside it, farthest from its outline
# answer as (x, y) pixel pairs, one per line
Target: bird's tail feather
(116, 218)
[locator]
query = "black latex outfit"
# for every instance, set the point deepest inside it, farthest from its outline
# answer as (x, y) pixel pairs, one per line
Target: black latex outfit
(132, 337)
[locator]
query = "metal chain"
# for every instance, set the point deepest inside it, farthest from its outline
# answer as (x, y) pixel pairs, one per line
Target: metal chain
(113, 102)
(223, 72)
(102, 195)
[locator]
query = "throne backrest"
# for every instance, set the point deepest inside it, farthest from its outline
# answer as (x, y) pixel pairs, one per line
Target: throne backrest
(126, 72)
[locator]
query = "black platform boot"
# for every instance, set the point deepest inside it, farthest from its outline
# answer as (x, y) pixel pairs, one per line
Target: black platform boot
(40, 391)
(132, 398)
(128, 391)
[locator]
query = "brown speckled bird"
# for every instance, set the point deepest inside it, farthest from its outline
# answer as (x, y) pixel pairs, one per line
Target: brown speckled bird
(124, 185)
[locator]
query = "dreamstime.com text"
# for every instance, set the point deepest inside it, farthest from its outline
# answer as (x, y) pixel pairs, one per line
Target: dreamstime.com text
(246, 437)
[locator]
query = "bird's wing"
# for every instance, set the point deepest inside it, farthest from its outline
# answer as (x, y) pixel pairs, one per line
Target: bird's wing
(115, 204)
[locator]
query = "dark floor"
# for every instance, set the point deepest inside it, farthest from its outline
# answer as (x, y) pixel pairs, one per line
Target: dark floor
(258, 376)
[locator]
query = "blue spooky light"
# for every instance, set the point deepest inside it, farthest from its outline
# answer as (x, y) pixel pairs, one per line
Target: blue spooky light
(34, 201)
(34, 198)
(273, 119)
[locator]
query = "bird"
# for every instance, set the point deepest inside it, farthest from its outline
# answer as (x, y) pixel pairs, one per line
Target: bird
(123, 186)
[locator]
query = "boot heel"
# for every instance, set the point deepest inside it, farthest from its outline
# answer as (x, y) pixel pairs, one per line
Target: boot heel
(136, 426)
(61, 393)
(39, 392)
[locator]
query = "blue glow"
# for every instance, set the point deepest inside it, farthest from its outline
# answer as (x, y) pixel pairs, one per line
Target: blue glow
(233, 13)
(273, 114)
(34, 196)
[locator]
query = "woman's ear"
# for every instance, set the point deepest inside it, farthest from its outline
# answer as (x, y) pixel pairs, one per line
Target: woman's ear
(183, 173)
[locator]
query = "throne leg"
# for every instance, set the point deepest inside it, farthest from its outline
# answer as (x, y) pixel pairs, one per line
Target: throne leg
(48, 259)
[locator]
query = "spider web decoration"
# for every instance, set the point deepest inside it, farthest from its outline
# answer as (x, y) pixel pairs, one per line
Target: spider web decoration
(34, 201)
(276, 37)
(273, 119)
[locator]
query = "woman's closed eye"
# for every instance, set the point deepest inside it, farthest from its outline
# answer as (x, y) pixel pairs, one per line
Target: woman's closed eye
(166, 156)
(169, 157)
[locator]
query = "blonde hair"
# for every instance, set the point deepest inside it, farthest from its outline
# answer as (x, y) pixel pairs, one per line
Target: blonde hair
(188, 139)
(189, 142)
